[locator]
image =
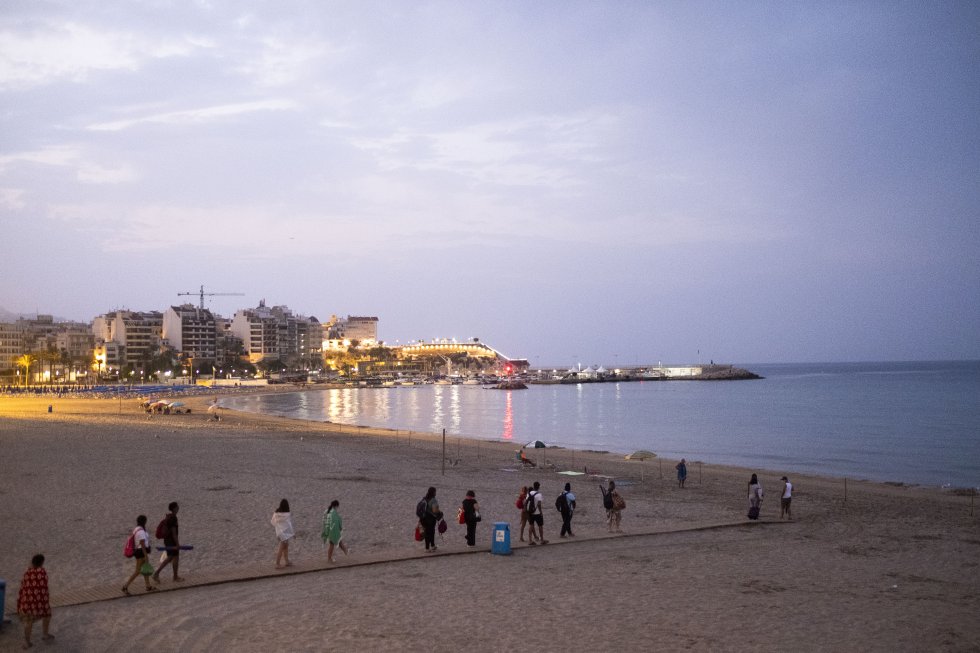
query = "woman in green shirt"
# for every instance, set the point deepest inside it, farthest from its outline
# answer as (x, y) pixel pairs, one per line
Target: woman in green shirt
(332, 527)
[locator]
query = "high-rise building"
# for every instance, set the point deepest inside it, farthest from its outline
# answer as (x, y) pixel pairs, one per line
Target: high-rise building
(127, 338)
(191, 331)
(275, 333)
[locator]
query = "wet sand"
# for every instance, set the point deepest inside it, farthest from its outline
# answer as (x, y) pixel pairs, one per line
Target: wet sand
(889, 568)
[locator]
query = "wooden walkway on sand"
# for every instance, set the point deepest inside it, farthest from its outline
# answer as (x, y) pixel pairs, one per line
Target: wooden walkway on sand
(266, 569)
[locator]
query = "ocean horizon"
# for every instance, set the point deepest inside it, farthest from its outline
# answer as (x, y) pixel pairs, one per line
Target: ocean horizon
(915, 422)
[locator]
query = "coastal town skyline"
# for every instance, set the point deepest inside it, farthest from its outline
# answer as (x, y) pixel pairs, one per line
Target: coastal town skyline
(572, 182)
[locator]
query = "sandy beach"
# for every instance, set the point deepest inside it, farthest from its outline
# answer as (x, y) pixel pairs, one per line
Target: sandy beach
(889, 567)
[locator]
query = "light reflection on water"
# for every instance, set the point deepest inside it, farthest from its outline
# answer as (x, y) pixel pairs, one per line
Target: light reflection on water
(906, 422)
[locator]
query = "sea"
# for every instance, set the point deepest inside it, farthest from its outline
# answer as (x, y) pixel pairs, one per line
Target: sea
(915, 422)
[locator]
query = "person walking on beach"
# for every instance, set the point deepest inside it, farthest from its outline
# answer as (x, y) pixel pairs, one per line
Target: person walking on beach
(141, 554)
(333, 526)
(171, 540)
(282, 520)
(33, 600)
(471, 515)
(755, 497)
(533, 505)
(521, 505)
(431, 514)
(566, 506)
(614, 505)
(786, 499)
(681, 473)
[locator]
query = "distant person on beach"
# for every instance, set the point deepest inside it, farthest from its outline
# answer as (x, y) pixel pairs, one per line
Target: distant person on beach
(33, 601)
(614, 505)
(681, 473)
(566, 506)
(431, 514)
(755, 497)
(786, 499)
(141, 554)
(333, 526)
(282, 520)
(520, 504)
(525, 460)
(533, 504)
(171, 540)
(471, 515)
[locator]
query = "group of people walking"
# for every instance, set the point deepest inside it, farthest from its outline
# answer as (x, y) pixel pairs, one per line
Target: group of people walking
(138, 548)
(33, 603)
(756, 495)
(331, 532)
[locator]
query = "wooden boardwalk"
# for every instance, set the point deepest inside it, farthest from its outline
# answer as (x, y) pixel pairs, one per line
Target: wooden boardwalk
(257, 571)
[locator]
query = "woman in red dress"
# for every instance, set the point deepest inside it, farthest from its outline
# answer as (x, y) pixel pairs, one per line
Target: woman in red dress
(33, 602)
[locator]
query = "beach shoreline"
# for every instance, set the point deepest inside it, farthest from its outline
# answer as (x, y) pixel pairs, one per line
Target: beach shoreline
(83, 471)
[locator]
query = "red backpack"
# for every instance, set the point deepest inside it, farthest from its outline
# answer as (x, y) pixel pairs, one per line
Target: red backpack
(130, 549)
(161, 532)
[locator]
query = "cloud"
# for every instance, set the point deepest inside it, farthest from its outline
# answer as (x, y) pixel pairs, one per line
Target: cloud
(539, 150)
(51, 53)
(200, 115)
(12, 198)
(70, 156)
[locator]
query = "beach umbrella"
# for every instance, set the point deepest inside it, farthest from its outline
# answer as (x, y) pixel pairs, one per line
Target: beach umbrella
(536, 444)
(641, 455)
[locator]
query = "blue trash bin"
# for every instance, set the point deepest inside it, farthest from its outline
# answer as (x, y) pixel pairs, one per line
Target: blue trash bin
(501, 539)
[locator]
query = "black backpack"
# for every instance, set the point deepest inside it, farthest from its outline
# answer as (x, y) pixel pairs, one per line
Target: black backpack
(607, 499)
(531, 502)
(561, 503)
(420, 508)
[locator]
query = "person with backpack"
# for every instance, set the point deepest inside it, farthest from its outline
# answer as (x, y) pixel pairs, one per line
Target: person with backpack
(521, 498)
(429, 515)
(614, 505)
(168, 531)
(565, 504)
(471, 515)
(138, 548)
(533, 506)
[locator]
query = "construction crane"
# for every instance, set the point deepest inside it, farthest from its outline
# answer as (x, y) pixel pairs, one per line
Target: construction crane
(201, 293)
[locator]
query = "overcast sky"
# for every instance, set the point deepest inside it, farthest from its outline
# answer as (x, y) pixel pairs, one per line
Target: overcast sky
(595, 182)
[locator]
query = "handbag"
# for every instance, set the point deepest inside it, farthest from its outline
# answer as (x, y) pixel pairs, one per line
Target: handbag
(478, 517)
(443, 526)
(418, 533)
(146, 569)
(461, 516)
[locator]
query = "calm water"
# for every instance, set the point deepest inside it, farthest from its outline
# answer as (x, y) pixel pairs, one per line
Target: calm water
(910, 422)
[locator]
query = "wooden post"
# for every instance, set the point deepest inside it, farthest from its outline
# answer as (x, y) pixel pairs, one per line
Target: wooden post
(443, 452)
(845, 489)
(699, 473)
(971, 504)
(661, 461)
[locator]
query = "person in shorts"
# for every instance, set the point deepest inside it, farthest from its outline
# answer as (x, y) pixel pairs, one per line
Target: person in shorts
(171, 540)
(536, 518)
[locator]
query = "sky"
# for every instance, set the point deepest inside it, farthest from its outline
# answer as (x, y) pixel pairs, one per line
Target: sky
(571, 182)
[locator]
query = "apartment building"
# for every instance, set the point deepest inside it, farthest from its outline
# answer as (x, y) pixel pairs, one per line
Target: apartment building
(127, 338)
(191, 331)
(275, 333)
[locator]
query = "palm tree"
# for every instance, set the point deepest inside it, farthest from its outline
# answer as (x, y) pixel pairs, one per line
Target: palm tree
(26, 361)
